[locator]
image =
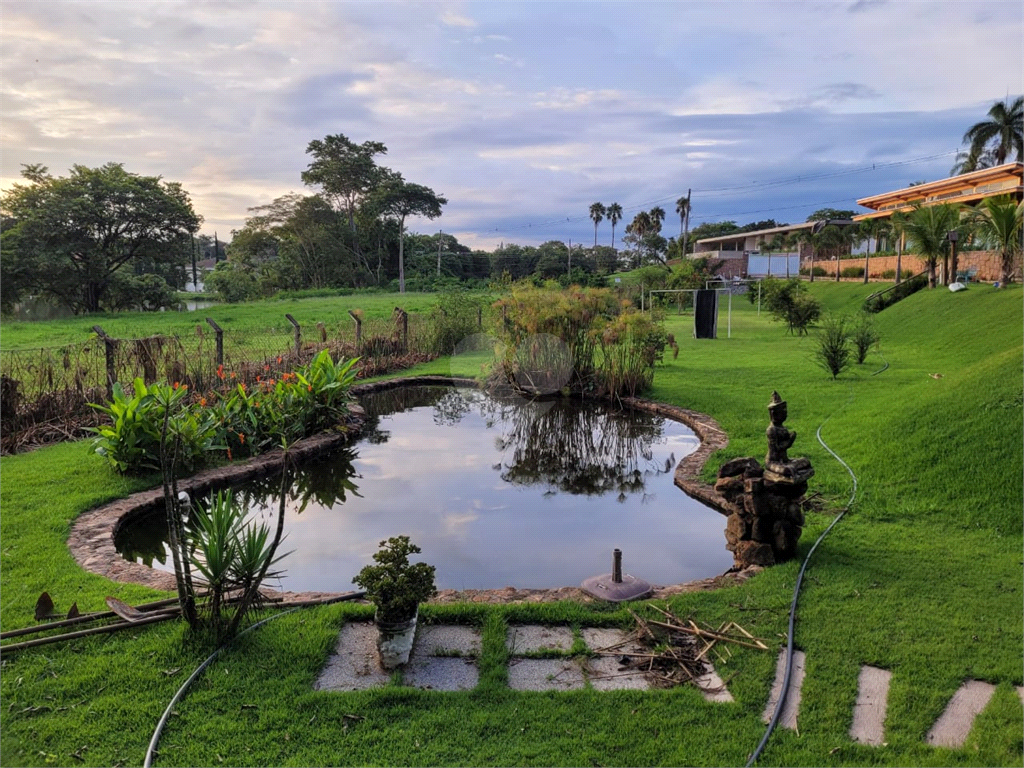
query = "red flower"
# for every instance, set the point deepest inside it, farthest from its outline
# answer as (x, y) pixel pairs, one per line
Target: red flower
(229, 454)
(176, 384)
(241, 438)
(220, 372)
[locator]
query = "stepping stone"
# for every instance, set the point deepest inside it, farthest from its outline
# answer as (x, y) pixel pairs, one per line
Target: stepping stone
(788, 717)
(446, 640)
(599, 638)
(354, 665)
(544, 675)
(526, 638)
(953, 725)
(713, 687)
(604, 675)
(869, 712)
(1020, 692)
(439, 673)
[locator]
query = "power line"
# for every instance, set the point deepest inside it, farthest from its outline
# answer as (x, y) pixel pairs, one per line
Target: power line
(755, 185)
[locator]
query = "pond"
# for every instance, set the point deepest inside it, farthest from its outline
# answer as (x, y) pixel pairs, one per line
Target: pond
(530, 494)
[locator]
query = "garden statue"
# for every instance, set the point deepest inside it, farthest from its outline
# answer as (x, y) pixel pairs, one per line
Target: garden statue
(765, 504)
(780, 440)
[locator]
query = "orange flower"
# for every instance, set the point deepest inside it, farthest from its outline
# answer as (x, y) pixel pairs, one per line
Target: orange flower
(241, 438)
(229, 454)
(234, 375)
(176, 384)
(202, 401)
(266, 367)
(220, 372)
(278, 359)
(309, 387)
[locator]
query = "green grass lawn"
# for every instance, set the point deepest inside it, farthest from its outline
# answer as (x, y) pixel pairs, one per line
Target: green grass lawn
(255, 316)
(923, 577)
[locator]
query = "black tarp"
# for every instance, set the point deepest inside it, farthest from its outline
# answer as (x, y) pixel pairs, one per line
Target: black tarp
(705, 315)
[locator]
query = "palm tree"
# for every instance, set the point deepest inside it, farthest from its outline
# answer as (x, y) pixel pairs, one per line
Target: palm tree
(897, 225)
(683, 209)
(597, 212)
(656, 216)
(999, 221)
(806, 237)
(928, 229)
(614, 212)
(867, 230)
(1002, 135)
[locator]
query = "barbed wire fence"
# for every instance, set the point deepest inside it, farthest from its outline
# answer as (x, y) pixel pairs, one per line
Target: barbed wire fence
(45, 393)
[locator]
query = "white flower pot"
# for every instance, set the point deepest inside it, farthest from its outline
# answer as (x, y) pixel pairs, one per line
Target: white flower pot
(394, 641)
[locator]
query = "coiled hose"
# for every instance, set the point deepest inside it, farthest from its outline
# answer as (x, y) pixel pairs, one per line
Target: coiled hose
(799, 581)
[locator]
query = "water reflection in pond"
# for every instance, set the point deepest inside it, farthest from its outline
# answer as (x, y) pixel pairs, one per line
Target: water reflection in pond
(524, 494)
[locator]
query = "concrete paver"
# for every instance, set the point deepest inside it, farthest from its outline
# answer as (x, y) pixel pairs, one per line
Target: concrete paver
(354, 665)
(868, 725)
(525, 638)
(789, 712)
(604, 675)
(544, 675)
(443, 639)
(439, 673)
(953, 725)
(713, 687)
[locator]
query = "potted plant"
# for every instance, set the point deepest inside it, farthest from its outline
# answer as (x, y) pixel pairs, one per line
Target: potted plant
(396, 587)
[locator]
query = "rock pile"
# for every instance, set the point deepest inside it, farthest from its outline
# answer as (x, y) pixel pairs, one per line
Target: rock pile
(765, 503)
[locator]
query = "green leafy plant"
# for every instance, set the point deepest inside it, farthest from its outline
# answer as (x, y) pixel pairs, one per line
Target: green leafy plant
(833, 352)
(789, 301)
(131, 442)
(863, 335)
(395, 585)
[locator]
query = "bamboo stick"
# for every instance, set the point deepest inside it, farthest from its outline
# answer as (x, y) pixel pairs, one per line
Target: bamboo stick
(160, 616)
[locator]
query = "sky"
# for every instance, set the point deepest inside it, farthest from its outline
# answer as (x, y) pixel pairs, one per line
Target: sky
(521, 114)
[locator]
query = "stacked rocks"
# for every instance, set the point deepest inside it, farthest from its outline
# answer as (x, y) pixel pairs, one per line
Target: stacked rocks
(765, 503)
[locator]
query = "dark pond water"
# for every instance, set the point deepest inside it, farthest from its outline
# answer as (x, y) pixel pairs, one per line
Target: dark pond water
(496, 493)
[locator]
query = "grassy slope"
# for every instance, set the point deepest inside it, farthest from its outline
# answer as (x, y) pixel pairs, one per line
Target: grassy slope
(253, 316)
(923, 577)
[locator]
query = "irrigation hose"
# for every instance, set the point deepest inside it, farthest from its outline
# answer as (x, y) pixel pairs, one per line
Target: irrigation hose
(799, 581)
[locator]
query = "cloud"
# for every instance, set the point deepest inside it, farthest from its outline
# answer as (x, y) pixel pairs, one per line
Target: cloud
(453, 19)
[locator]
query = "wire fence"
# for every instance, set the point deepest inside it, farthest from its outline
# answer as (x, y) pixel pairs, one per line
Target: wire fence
(45, 393)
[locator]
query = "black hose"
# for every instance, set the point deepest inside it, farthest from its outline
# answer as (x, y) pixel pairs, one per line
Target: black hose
(799, 581)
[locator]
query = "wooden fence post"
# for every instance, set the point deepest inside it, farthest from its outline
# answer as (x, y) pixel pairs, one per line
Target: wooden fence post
(323, 332)
(403, 317)
(298, 334)
(219, 334)
(479, 317)
(359, 328)
(109, 345)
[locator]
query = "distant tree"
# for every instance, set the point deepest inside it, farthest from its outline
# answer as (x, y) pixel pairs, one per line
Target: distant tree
(614, 212)
(824, 214)
(928, 228)
(597, 211)
(346, 173)
(897, 225)
(763, 224)
(867, 231)
(657, 215)
(995, 140)
(999, 223)
(644, 236)
(713, 229)
(683, 209)
(399, 198)
(67, 237)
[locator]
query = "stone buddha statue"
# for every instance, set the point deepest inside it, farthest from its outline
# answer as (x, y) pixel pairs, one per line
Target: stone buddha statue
(780, 440)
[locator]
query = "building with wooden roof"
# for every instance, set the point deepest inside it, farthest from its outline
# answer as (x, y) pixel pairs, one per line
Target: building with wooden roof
(965, 189)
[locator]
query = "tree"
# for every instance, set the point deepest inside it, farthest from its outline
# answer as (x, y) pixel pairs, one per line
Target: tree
(833, 241)
(67, 236)
(999, 223)
(597, 211)
(347, 173)
(995, 140)
(400, 198)
(898, 227)
(644, 235)
(866, 231)
(826, 214)
(683, 209)
(713, 229)
(614, 212)
(928, 229)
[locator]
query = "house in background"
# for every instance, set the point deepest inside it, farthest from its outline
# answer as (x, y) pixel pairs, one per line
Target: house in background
(965, 189)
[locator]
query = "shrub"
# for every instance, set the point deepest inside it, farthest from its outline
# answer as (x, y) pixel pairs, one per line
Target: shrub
(833, 353)
(863, 335)
(454, 318)
(852, 272)
(876, 302)
(232, 283)
(395, 585)
(890, 274)
(789, 301)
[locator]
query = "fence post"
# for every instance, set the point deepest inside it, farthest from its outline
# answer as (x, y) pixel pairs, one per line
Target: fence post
(219, 335)
(109, 345)
(359, 328)
(323, 332)
(403, 316)
(298, 334)
(479, 317)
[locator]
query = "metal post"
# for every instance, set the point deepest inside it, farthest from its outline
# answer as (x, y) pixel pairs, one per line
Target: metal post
(109, 345)
(617, 566)
(298, 334)
(758, 298)
(729, 332)
(359, 327)
(219, 334)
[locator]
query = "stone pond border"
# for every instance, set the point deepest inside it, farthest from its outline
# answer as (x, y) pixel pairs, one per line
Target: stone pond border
(91, 540)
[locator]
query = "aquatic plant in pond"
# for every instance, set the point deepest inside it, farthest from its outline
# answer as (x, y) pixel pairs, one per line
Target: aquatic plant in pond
(496, 492)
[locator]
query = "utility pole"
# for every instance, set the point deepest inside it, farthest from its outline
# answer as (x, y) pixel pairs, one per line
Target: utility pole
(570, 257)
(686, 225)
(440, 233)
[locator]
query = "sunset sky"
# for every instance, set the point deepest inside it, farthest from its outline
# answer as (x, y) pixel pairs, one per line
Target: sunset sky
(521, 114)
